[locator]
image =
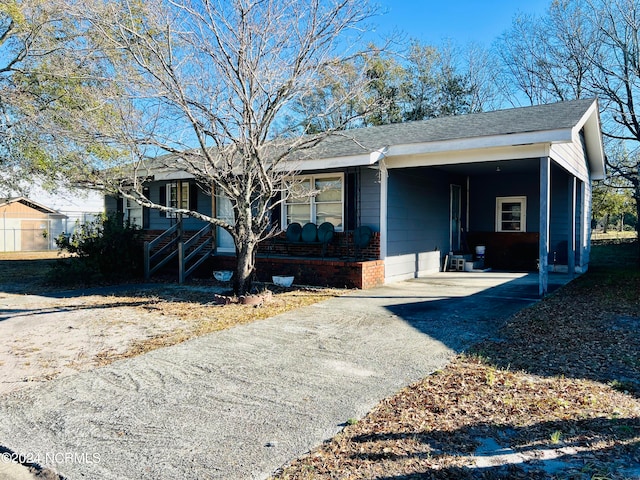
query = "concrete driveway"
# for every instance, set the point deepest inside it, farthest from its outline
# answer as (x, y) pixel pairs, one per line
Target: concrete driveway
(240, 403)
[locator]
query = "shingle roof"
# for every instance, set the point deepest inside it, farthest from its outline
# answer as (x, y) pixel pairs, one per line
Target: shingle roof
(537, 118)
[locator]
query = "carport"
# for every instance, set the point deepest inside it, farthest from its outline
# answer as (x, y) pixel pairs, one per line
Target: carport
(521, 187)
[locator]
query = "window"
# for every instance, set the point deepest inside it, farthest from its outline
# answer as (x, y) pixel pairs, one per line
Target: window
(177, 196)
(133, 212)
(317, 199)
(511, 214)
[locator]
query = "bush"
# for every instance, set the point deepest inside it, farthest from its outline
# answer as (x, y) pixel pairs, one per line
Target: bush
(104, 250)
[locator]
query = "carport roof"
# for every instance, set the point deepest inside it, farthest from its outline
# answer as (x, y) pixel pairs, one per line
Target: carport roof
(551, 123)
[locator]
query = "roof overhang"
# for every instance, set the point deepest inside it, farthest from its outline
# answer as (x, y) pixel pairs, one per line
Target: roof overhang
(364, 160)
(594, 145)
(471, 155)
(489, 148)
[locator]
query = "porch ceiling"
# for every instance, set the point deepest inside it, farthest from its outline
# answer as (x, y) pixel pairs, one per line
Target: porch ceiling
(501, 166)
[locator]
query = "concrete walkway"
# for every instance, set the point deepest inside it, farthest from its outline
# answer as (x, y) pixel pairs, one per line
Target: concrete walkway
(240, 403)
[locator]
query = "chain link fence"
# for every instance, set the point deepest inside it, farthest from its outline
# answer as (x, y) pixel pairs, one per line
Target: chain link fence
(20, 232)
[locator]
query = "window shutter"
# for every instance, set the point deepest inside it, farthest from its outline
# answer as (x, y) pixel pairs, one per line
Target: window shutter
(146, 217)
(193, 196)
(276, 211)
(163, 198)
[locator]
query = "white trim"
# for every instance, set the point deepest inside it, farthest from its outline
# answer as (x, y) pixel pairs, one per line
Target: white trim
(312, 204)
(475, 143)
(590, 121)
(179, 204)
(469, 156)
(545, 216)
(523, 212)
(133, 212)
(365, 159)
(384, 195)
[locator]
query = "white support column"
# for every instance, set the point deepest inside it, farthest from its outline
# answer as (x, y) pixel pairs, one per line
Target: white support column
(571, 233)
(582, 226)
(384, 180)
(545, 201)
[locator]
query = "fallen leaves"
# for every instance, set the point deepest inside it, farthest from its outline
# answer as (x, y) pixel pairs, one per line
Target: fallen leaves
(556, 395)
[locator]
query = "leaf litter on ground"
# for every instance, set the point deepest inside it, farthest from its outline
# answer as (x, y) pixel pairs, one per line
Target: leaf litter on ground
(556, 395)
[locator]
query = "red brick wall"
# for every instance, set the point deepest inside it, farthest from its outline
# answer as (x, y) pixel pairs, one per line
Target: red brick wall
(341, 246)
(333, 273)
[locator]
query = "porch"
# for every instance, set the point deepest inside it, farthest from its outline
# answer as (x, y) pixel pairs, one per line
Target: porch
(340, 264)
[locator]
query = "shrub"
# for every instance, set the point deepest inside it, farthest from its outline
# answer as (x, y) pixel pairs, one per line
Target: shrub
(104, 250)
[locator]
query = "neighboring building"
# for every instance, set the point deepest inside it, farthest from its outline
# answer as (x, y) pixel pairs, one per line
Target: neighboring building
(515, 181)
(26, 225)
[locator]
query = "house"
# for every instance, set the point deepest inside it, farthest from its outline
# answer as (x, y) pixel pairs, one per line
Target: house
(514, 182)
(26, 225)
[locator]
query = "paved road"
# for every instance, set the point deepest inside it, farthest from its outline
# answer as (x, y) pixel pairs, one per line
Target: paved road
(240, 403)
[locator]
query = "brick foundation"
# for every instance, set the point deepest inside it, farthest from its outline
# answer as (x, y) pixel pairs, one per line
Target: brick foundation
(341, 246)
(333, 273)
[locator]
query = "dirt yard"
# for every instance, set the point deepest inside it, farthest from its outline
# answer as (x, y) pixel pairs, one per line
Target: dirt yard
(44, 337)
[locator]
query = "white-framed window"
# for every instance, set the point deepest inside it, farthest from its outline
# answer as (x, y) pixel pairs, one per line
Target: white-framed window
(177, 196)
(511, 214)
(133, 212)
(315, 198)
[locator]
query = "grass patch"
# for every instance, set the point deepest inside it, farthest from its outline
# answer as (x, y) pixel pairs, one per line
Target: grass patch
(27, 271)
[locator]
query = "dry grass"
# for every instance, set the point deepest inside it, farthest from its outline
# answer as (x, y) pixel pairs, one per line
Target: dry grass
(562, 380)
(201, 316)
(614, 235)
(27, 271)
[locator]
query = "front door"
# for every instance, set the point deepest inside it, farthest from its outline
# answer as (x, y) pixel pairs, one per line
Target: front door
(455, 213)
(224, 212)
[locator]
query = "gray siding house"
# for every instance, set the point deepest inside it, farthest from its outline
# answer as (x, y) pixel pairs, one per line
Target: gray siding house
(516, 182)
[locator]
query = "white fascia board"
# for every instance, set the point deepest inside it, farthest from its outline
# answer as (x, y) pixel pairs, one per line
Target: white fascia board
(329, 163)
(509, 140)
(469, 156)
(593, 139)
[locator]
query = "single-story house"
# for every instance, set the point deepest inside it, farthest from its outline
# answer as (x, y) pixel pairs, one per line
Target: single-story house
(516, 183)
(26, 225)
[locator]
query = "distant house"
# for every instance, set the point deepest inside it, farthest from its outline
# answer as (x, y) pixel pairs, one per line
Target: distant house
(516, 182)
(26, 225)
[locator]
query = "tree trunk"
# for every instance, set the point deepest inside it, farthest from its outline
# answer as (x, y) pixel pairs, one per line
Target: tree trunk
(245, 257)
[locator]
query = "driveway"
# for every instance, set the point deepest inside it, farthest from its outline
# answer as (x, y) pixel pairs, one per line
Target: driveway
(240, 403)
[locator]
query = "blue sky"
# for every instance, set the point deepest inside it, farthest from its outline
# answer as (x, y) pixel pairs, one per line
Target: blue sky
(430, 21)
(461, 21)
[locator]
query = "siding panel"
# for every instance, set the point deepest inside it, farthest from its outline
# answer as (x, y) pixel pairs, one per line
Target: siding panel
(572, 157)
(483, 190)
(369, 199)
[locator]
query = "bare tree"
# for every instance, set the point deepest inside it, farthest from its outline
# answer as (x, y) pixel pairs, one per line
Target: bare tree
(586, 48)
(208, 87)
(547, 58)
